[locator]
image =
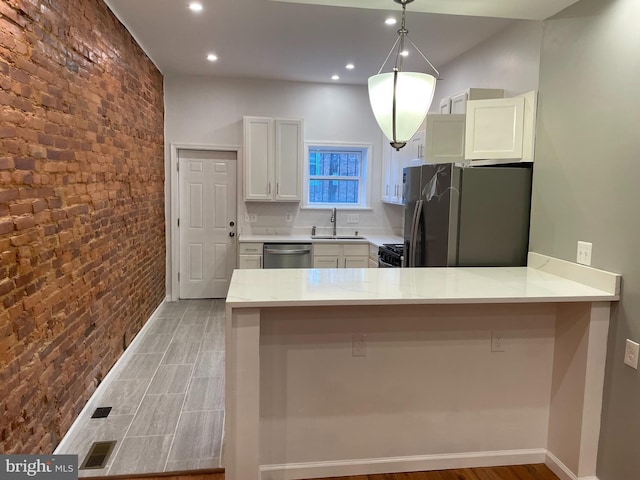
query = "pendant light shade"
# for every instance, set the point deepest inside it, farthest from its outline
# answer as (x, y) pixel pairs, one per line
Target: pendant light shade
(400, 101)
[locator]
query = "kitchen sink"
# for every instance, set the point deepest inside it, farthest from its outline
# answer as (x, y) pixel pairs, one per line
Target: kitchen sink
(337, 237)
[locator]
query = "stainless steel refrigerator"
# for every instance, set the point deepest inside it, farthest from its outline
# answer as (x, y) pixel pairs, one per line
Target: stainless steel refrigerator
(466, 216)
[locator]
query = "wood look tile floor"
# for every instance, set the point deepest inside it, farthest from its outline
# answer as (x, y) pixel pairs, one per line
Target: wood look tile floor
(167, 397)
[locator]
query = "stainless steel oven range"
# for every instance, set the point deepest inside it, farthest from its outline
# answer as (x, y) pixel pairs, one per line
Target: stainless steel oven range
(390, 255)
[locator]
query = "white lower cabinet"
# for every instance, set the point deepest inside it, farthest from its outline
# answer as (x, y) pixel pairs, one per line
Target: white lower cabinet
(250, 255)
(340, 255)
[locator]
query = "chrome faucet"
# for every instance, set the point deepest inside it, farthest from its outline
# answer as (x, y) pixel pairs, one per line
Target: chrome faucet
(334, 220)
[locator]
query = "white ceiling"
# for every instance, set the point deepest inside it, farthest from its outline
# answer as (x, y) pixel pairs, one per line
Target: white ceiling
(309, 40)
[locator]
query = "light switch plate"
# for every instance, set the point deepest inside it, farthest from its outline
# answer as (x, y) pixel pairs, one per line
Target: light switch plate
(353, 218)
(584, 253)
(631, 354)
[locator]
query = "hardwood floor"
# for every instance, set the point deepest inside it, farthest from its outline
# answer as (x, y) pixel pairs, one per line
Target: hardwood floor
(518, 472)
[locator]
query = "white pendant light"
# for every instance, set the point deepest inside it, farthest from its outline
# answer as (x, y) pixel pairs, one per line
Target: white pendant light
(400, 100)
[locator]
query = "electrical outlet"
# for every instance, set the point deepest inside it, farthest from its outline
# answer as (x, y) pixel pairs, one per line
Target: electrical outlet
(497, 341)
(288, 217)
(253, 218)
(359, 345)
(631, 354)
(247, 218)
(584, 253)
(353, 218)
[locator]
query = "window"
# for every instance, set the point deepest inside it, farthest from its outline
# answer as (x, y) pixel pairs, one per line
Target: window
(336, 176)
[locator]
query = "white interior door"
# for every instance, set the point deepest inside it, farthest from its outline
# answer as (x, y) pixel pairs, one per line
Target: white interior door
(207, 222)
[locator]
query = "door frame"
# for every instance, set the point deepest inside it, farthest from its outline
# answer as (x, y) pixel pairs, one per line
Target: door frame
(173, 235)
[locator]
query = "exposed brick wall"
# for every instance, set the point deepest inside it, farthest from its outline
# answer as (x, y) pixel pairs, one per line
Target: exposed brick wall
(82, 239)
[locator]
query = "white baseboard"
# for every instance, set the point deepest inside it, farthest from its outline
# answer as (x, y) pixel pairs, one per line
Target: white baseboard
(561, 470)
(117, 367)
(369, 466)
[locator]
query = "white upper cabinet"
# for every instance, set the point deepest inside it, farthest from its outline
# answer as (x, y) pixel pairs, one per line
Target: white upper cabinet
(273, 150)
(501, 129)
(415, 146)
(444, 138)
(459, 103)
(445, 106)
(393, 163)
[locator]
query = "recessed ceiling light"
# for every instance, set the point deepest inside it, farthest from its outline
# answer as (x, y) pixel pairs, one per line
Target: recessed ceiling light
(404, 53)
(335, 77)
(349, 66)
(195, 7)
(390, 21)
(212, 57)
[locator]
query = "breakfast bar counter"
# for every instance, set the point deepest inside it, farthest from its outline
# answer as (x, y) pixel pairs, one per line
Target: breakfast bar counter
(359, 371)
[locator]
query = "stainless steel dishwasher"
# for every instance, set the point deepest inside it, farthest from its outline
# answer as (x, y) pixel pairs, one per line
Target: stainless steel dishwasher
(287, 255)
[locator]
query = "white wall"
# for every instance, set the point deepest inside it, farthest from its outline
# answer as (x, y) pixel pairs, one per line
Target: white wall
(509, 60)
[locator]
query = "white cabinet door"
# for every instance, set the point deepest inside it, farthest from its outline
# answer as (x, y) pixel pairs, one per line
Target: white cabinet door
(445, 106)
(356, 262)
(459, 103)
(393, 163)
(288, 160)
(445, 138)
(325, 262)
(250, 261)
(258, 156)
(494, 128)
(416, 146)
(386, 182)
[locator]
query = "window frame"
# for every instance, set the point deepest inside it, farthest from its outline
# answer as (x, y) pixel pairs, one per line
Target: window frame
(364, 187)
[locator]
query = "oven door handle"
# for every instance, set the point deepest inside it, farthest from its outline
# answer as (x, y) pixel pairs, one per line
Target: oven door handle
(384, 264)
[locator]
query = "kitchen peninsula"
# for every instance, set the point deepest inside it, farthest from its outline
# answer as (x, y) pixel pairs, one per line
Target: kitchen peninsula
(353, 371)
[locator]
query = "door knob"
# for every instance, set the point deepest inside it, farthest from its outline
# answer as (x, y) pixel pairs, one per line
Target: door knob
(232, 234)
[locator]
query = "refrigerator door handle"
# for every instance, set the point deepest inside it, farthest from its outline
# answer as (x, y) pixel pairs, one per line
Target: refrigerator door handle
(414, 232)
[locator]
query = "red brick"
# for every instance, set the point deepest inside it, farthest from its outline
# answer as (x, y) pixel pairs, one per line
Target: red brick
(25, 163)
(24, 222)
(6, 163)
(8, 195)
(6, 131)
(20, 208)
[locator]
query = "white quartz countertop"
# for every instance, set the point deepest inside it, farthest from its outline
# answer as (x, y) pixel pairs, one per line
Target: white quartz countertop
(389, 286)
(374, 239)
